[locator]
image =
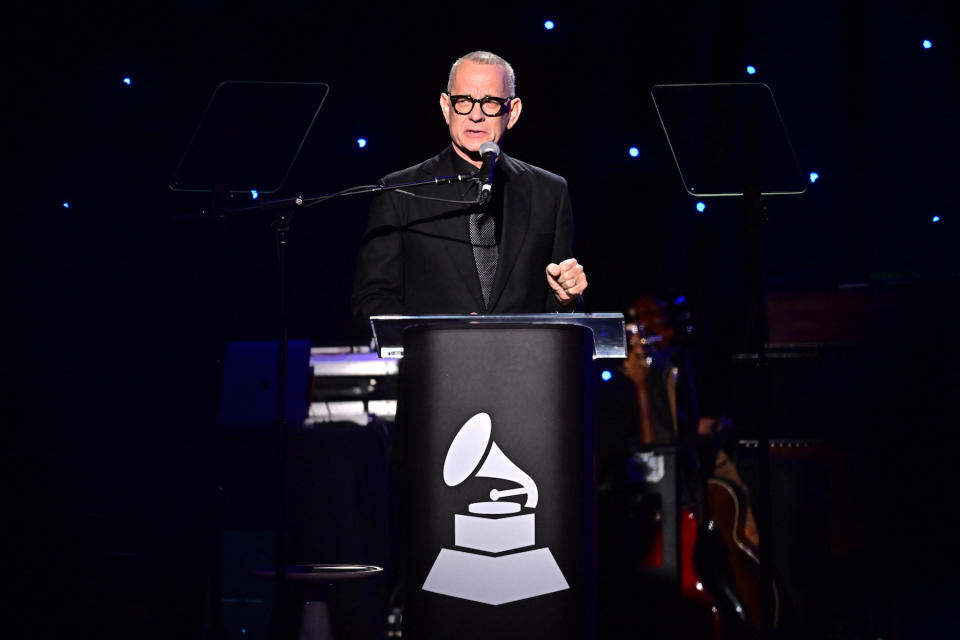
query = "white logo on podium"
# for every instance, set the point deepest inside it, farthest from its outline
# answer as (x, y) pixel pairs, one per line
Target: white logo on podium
(500, 574)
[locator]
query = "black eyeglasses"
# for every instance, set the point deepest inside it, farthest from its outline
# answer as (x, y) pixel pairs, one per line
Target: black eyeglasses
(490, 105)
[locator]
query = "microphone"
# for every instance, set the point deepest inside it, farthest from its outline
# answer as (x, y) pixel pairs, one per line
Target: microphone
(489, 151)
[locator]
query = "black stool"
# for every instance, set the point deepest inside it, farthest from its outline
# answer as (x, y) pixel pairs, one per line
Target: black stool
(310, 584)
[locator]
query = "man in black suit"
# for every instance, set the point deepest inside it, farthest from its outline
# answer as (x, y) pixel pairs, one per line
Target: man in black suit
(432, 252)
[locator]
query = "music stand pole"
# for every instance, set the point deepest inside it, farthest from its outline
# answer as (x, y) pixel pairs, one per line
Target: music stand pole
(729, 140)
(755, 222)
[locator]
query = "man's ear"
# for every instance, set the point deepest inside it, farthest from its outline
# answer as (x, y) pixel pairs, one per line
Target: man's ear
(516, 106)
(445, 106)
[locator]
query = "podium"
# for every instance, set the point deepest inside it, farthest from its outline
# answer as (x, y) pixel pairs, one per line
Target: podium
(496, 415)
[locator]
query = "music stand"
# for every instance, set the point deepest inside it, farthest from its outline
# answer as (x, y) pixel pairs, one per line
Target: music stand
(247, 141)
(249, 137)
(729, 140)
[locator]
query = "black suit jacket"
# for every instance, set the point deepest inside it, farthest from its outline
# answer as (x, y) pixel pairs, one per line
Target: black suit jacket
(416, 256)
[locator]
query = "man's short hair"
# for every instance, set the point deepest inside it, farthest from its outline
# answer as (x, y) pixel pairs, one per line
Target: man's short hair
(485, 57)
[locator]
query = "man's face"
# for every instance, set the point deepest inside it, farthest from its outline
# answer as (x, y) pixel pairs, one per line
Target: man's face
(470, 131)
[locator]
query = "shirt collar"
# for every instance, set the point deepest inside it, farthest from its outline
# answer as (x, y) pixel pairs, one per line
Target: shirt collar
(461, 166)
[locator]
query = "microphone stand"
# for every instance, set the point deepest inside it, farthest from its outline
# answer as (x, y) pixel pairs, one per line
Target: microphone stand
(283, 213)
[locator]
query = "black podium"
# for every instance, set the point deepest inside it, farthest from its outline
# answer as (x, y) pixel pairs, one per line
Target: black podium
(497, 420)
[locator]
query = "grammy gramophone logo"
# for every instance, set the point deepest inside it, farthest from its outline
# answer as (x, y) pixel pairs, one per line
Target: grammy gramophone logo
(487, 564)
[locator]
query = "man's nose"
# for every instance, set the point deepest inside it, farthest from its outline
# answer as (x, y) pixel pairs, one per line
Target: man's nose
(476, 114)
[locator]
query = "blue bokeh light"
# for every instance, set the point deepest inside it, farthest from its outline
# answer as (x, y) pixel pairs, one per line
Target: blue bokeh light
(66, 205)
(605, 375)
(927, 44)
(634, 152)
(751, 69)
(679, 300)
(361, 142)
(935, 219)
(127, 81)
(814, 176)
(254, 194)
(548, 25)
(701, 207)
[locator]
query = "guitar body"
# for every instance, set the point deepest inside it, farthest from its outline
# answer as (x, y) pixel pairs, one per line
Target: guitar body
(739, 582)
(702, 617)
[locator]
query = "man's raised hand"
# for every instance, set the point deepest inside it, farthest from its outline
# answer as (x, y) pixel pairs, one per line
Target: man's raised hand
(567, 279)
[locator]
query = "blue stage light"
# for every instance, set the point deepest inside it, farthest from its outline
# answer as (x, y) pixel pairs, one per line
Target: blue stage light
(701, 207)
(66, 205)
(814, 176)
(548, 25)
(935, 219)
(606, 375)
(127, 81)
(254, 194)
(927, 44)
(634, 152)
(751, 69)
(679, 300)
(361, 142)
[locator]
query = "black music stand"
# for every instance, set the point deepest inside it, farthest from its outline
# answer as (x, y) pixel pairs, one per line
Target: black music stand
(249, 137)
(245, 145)
(729, 140)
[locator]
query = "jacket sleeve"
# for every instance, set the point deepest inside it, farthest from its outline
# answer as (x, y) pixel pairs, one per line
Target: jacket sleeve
(562, 249)
(378, 282)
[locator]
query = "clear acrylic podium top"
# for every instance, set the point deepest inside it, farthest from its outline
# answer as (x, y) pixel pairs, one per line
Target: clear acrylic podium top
(609, 337)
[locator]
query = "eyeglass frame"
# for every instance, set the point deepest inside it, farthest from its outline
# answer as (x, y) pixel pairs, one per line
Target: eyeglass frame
(503, 102)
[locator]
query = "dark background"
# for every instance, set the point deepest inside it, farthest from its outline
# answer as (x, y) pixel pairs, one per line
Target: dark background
(118, 310)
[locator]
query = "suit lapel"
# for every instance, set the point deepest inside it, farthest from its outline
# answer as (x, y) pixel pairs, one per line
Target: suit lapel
(454, 227)
(516, 220)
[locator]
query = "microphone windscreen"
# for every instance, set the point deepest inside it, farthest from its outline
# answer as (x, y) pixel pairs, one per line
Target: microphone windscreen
(490, 147)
